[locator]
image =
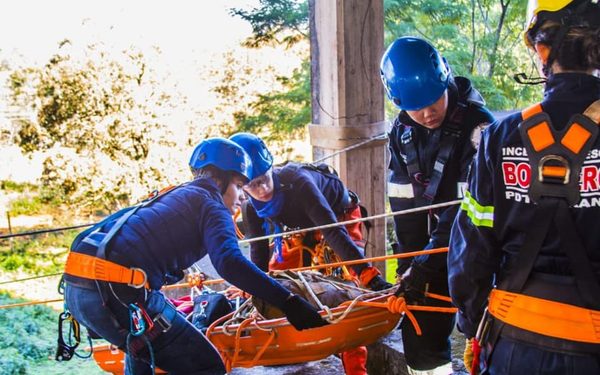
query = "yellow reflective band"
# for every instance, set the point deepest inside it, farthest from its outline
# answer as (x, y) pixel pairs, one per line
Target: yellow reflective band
(481, 216)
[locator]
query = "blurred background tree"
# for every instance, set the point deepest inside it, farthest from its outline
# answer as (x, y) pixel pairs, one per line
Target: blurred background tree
(481, 39)
(100, 119)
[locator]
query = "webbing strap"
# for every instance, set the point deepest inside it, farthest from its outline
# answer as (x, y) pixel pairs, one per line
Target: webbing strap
(412, 156)
(449, 138)
(450, 132)
(587, 283)
(94, 268)
(525, 260)
(531, 111)
(545, 317)
(101, 251)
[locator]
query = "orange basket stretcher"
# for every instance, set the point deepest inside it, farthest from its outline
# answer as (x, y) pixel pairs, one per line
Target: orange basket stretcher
(276, 342)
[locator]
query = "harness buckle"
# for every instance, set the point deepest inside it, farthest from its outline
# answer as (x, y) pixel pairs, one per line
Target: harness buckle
(554, 173)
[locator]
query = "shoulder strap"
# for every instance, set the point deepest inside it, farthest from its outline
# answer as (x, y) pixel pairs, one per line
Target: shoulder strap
(322, 168)
(556, 157)
(451, 132)
(412, 156)
(101, 249)
(554, 186)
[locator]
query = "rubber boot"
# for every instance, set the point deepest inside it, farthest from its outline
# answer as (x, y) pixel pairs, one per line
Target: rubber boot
(355, 361)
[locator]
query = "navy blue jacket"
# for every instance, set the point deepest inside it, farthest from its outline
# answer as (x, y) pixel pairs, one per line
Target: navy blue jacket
(404, 190)
(496, 212)
(311, 198)
(178, 229)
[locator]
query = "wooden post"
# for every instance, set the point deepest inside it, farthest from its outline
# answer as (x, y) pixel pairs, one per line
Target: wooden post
(347, 100)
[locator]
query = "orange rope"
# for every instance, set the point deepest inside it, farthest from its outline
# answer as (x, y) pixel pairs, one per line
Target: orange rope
(30, 303)
(438, 296)
(238, 334)
(263, 349)
(397, 305)
(348, 262)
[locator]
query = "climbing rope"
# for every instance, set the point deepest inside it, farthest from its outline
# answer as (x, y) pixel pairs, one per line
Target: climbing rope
(42, 231)
(352, 147)
(290, 233)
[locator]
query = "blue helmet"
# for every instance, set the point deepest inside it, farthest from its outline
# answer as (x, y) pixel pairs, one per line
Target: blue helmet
(413, 73)
(223, 154)
(260, 156)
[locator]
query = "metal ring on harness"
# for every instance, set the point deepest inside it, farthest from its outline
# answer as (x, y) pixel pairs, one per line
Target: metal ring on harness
(562, 171)
(142, 283)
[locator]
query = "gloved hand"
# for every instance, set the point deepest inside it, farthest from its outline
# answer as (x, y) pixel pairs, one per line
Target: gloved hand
(468, 354)
(378, 283)
(301, 314)
(413, 285)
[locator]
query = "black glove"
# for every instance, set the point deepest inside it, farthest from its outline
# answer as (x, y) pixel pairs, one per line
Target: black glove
(414, 285)
(378, 283)
(301, 314)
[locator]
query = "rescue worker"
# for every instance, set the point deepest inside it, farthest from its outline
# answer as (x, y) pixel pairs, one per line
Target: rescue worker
(432, 143)
(303, 196)
(151, 244)
(525, 244)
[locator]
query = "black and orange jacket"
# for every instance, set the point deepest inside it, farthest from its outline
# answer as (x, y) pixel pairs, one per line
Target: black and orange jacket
(496, 212)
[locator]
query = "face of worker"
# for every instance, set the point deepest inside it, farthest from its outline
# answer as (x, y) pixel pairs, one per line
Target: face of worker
(234, 195)
(432, 116)
(261, 187)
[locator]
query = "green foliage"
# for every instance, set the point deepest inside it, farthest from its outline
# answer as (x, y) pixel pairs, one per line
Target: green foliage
(29, 342)
(36, 254)
(25, 206)
(24, 335)
(481, 39)
(17, 187)
(276, 22)
(281, 114)
(98, 117)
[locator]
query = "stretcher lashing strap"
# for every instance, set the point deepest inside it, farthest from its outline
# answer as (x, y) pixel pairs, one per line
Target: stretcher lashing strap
(229, 364)
(91, 267)
(546, 317)
(398, 305)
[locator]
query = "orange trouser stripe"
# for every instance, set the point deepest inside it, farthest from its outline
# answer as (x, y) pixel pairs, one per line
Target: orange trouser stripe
(546, 317)
(90, 267)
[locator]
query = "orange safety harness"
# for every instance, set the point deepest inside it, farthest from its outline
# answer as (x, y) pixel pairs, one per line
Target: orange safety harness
(91, 267)
(97, 267)
(546, 317)
(556, 159)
